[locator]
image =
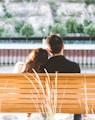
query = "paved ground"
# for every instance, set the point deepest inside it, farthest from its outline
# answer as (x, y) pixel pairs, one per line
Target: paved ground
(23, 116)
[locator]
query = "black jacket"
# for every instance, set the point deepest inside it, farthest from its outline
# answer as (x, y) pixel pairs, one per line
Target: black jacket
(61, 65)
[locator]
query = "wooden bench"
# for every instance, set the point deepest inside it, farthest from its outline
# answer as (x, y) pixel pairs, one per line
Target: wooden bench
(56, 93)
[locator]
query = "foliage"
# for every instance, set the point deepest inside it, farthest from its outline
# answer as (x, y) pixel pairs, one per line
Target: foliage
(89, 2)
(54, 6)
(57, 19)
(86, 1)
(17, 0)
(1, 31)
(25, 0)
(72, 25)
(87, 22)
(90, 30)
(49, 29)
(73, 0)
(58, 28)
(75, 14)
(80, 28)
(27, 30)
(7, 14)
(18, 25)
(42, 29)
(1, 0)
(34, 0)
(9, 34)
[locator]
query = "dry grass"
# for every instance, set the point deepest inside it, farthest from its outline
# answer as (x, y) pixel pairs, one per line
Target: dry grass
(50, 98)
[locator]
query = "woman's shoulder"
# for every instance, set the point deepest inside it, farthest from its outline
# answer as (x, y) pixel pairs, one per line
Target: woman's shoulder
(18, 67)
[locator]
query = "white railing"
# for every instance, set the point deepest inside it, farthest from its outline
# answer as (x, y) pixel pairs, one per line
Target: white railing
(84, 54)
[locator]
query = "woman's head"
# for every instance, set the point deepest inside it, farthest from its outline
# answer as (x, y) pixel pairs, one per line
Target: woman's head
(36, 60)
(38, 54)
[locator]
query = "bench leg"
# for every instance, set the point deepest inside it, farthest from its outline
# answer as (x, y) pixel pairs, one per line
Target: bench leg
(77, 117)
(44, 116)
(28, 114)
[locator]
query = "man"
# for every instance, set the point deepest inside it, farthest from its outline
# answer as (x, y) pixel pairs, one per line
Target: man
(58, 62)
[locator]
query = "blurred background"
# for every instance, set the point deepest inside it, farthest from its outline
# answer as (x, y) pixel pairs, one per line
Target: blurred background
(24, 25)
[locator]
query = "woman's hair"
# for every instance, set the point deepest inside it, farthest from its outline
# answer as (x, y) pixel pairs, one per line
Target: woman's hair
(36, 60)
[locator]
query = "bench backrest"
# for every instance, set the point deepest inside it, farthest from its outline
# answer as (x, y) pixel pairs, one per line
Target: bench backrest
(57, 93)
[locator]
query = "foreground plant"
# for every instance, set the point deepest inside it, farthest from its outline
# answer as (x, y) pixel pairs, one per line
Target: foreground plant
(49, 94)
(50, 98)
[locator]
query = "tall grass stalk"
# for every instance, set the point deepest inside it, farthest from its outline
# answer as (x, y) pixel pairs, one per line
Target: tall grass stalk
(85, 93)
(49, 91)
(37, 96)
(49, 103)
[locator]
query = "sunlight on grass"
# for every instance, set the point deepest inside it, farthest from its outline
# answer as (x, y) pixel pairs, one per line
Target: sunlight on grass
(49, 103)
(47, 90)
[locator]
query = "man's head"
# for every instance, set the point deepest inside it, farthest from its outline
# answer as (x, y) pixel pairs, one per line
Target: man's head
(55, 43)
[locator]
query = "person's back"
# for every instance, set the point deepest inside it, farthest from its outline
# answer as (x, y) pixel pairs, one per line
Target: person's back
(58, 62)
(61, 65)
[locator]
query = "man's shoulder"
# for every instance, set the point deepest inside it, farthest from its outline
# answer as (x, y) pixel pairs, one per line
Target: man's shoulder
(73, 62)
(62, 59)
(61, 63)
(74, 65)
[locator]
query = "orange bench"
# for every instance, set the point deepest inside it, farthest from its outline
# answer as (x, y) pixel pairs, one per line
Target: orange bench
(56, 93)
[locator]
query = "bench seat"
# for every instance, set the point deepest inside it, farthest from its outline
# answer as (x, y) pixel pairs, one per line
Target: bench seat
(44, 93)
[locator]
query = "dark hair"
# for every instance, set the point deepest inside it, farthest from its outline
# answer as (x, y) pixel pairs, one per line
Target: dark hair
(36, 60)
(55, 43)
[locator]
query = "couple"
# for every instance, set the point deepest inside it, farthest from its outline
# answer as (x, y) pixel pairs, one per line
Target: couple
(38, 60)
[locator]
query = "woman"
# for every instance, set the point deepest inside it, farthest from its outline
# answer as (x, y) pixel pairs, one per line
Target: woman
(36, 60)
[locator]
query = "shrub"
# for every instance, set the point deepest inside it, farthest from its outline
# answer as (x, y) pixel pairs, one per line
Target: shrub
(87, 22)
(5, 9)
(42, 30)
(9, 34)
(89, 2)
(58, 28)
(17, 0)
(80, 28)
(8, 15)
(90, 30)
(72, 25)
(18, 25)
(1, 31)
(73, 1)
(57, 19)
(27, 30)
(54, 7)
